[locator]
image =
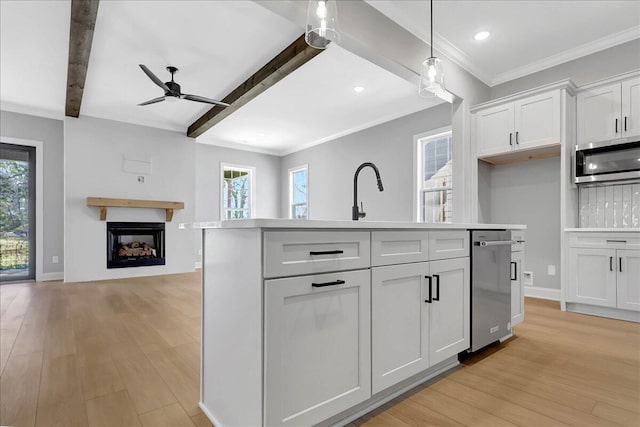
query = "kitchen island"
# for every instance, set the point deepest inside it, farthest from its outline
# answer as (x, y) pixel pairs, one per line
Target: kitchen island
(318, 322)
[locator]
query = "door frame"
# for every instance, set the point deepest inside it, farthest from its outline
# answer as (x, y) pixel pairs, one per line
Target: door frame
(39, 257)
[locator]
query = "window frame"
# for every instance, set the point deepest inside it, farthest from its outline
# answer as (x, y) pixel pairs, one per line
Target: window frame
(418, 168)
(252, 190)
(292, 171)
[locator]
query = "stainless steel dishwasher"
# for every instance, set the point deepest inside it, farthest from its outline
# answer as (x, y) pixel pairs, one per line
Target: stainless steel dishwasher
(490, 286)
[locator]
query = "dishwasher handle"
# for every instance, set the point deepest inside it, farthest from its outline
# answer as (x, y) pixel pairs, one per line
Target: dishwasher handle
(484, 243)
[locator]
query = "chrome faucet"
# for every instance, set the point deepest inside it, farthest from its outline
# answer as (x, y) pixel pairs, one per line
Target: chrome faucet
(357, 213)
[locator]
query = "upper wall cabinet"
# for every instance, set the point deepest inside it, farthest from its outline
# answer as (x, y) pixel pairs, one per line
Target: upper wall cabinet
(518, 128)
(609, 112)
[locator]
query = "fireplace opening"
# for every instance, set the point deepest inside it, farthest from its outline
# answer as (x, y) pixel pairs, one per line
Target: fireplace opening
(135, 244)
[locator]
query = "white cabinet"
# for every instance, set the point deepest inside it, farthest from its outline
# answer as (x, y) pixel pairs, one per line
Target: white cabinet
(604, 270)
(592, 276)
(609, 112)
(628, 279)
(420, 317)
(449, 310)
(517, 291)
(523, 124)
(399, 247)
(317, 346)
(399, 323)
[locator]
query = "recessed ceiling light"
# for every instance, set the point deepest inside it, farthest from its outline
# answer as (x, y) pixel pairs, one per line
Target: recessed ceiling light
(358, 89)
(481, 35)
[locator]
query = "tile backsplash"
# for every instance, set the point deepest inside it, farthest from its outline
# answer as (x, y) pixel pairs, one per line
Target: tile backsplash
(610, 206)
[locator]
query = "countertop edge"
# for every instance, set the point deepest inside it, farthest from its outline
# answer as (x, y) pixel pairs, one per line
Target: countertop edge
(321, 224)
(602, 230)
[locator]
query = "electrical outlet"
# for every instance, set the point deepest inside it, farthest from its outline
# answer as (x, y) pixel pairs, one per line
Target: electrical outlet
(141, 179)
(55, 259)
(551, 270)
(527, 278)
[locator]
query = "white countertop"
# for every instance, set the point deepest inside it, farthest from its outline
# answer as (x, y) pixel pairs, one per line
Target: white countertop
(333, 224)
(604, 230)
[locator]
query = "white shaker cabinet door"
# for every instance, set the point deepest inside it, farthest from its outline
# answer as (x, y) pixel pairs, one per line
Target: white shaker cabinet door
(631, 107)
(317, 346)
(517, 292)
(495, 130)
(537, 121)
(599, 117)
(399, 323)
(592, 276)
(449, 312)
(628, 266)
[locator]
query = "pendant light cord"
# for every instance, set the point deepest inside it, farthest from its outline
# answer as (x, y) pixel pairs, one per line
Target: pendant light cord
(431, 16)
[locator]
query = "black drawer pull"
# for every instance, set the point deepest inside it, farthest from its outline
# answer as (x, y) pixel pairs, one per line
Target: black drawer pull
(510, 138)
(625, 123)
(616, 125)
(322, 285)
(336, 252)
(616, 241)
(620, 264)
(610, 263)
(430, 299)
(515, 270)
(437, 277)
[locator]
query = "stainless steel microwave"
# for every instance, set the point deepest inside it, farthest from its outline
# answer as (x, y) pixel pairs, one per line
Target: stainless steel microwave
(607, 161)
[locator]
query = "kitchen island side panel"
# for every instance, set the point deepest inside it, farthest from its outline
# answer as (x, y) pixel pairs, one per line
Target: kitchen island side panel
(231, 389)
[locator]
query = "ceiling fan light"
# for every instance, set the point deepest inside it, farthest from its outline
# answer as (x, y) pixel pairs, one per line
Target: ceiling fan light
(322, 23)
(171, 98)
(431, 78)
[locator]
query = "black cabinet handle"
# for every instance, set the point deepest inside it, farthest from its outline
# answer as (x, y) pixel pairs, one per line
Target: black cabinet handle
(437, 277)
(620, 264)
(515, 270)
(336, 252)
(430, 299)
(616, 125)
(510, 138)
(517, 139)
(625, 123)
(610, 263)
(322, 285)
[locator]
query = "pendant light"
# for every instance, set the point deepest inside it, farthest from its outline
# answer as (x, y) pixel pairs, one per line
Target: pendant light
(431, 75)
(322, 23)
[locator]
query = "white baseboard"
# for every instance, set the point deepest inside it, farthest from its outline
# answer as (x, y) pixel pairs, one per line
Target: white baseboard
(46, 277)
(610, 312)
(544, 293)
(198, 264)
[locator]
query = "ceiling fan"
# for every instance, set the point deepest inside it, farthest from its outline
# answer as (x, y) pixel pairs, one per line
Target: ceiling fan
(172, 90)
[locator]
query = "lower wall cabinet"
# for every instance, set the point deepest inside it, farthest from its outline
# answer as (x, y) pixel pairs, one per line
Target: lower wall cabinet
(420, 317)
(605, 277)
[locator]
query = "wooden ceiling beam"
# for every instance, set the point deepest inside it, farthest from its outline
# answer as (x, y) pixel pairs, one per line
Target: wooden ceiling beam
(291, 58)
(83, 22)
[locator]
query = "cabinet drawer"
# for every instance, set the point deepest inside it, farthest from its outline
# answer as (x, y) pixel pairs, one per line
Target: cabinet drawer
(605, 240)
(399, 247)
(445, 244)
(289, 253)
(518, 236)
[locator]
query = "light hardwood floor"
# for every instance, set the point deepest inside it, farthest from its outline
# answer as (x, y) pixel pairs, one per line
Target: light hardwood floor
(126, 352)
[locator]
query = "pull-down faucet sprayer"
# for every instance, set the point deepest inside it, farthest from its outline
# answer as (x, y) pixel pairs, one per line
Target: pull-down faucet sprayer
(356, 212)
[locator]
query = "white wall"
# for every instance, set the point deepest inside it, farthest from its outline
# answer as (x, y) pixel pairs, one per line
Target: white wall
(50, 132)
(529, 193)
(332, 165)
(94, 152)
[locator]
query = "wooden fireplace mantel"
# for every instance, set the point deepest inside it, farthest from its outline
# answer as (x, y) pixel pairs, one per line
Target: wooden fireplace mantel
(104, 203)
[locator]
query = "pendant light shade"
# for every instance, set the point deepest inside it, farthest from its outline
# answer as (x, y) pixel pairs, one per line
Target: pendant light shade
(322, 23)
(431, 74)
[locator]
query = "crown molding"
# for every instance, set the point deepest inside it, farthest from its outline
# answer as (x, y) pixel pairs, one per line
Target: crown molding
(569, 55)
(609, 80)
(236, 146)
(566, 84)
(32, 111)
(459, 58)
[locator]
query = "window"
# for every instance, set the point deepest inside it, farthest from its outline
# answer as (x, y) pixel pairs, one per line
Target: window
(434, 177)
(237, 192)
(299, 192)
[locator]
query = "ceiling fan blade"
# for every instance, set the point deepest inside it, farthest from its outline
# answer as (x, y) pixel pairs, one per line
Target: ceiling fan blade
(153, 101)
(154, 78)
(203, 99)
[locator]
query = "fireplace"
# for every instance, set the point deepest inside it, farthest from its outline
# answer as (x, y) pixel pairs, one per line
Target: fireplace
(135, 244)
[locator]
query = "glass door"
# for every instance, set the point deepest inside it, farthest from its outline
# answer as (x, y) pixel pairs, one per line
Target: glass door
(17, 212)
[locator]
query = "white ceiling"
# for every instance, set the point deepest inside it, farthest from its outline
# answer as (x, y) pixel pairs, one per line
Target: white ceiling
(218, 44)
(527, 36)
